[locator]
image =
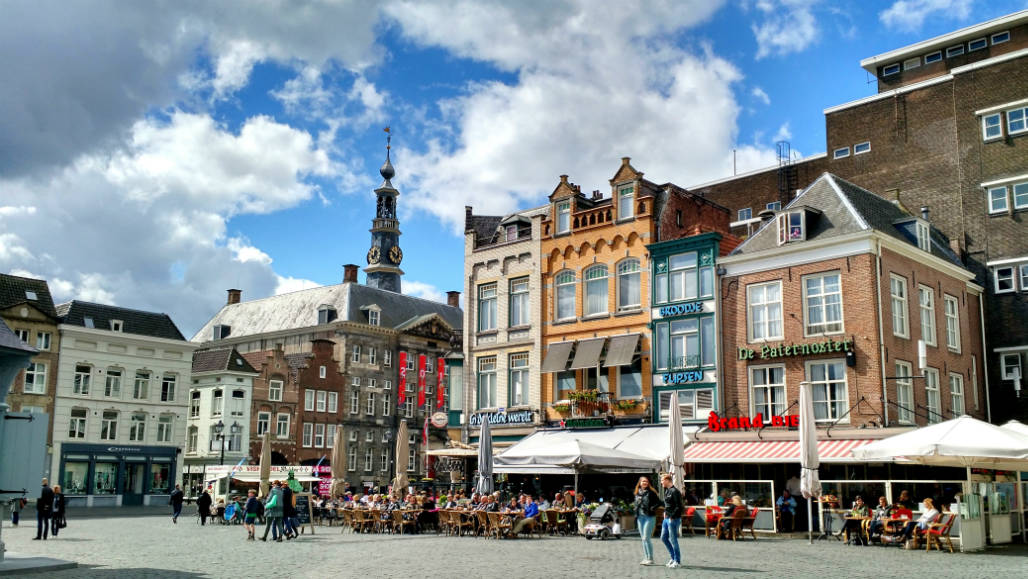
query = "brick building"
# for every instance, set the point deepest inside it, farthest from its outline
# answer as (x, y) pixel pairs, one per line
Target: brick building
(946, 131)
(838, 289)
(28, 309)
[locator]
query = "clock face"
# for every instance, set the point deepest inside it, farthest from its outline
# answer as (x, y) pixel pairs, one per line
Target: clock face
(395, 254)
(374, 254)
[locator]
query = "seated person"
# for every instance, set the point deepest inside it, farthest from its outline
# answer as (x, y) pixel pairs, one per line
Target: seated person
(530, 514)
(726, 521)
(905, 501)
(787, 509)
(882, 511)
(542, 503)
(928, 517)
(852, 525)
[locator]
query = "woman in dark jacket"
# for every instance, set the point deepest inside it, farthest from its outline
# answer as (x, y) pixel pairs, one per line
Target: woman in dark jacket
(203, 506)
(57, 519)
(646, 503)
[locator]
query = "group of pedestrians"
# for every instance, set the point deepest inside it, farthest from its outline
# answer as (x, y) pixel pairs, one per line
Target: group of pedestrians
(646, 503)
(279, 514)
(50, 511)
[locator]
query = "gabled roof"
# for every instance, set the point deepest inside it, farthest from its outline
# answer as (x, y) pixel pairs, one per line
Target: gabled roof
(15, 290)
(221, 360)
(135, 322)
(845, 208)
(299, 309)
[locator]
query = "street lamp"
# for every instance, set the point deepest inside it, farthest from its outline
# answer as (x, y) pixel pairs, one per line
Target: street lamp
(219, 429)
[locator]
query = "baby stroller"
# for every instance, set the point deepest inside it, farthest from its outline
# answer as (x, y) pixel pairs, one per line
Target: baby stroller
(231, 512)
(602, 524)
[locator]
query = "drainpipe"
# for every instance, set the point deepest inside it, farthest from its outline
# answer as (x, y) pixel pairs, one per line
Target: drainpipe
(985, 359)
(881, 332)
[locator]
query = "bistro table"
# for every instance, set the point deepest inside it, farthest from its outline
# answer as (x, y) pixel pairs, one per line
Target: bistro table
(862, 530)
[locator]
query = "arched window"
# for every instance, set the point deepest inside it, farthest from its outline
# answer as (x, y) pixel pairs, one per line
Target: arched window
(629, 294)
(565, 284)
(596, 290)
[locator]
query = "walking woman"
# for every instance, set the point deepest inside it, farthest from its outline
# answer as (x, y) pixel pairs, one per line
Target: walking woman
(273, 511)
(646, 503)
(57, 519)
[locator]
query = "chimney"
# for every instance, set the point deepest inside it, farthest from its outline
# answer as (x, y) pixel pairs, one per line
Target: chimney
(234, 296)
(453, 299)
(597, 195)
(467, 218)
(924, 212)
(349, 273)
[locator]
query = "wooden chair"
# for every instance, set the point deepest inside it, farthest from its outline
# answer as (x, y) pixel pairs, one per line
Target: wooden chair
(711, 519)
(345, 520)
(555, 523)
(892, 530)
(751, 519)
(687, 520)
(484, 528)
(733, 527)
(400, 522)
(500, 524)
(464, 521)
(937, 532)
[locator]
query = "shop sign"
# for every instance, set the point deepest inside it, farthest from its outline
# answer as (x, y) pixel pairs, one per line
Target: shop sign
(276, 471)
(439, 420)
(717, 423)
(123, 449)
(583, 423)
(680, 309)
(448, 463)
(784, 351)
(515, 417)
(683, 377)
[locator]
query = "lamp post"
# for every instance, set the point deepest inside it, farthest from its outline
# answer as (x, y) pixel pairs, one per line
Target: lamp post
(219, 429)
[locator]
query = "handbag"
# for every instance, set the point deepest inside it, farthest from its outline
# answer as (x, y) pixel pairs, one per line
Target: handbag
(62, 524)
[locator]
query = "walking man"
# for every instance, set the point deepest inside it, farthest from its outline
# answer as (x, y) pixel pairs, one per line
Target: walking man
(673, 508)
(203, 506)
(288, 512)
(44, 509)
(176, 503)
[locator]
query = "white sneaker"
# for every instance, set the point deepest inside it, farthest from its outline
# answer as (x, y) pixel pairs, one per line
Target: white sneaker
(646, 562)
(668, 564)
(673, 565)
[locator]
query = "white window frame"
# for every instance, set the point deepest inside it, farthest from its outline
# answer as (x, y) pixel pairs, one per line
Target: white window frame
(194, 404)
(933, 57)
(333, 402)
(108, 425)
(486, 369)
(355, 401)
(387, 384)
(1003, 37)
(774, 206)
(861, 148)
(971, 44)
(22, 334)
(387, 405)
(924, 235)
(926, 308)
(369, 407)
(385, 460)
(356, 356)
(321, 400)
(192, 439)
(958, 406)
(351, 459)
(279, 425)
(992, 121)
(1021, 112)
(519, 302)
(563, 217)
(998, 199)
(1023, 274)
(899, 306)
(77, 423)
(788, 231)
(165, 427)
(744, 214)
(770, 389)
(35, 378)
(624, 270)
(43, 341)
(112, 383)
(217, 402)
(372, 356)
(141, 385)
(373, 318)
(1018, 190)
(137, 427)
(933, 398)
(369, 460)
(354, 435)
(829, 402)
(808, 328)
(904, 393)
(841, 153)
(596, 280)
(322, 372)
(308, 400)
(387, 358)
(912, 63)
(275, 390)
(369, 436)
(564, 282)
(518, 379)
(951, 310)
(954, 51)
(319, 435)
(998, 276)
(626, 202)
(768, 308)
(487, 307)
(891, 69)
(1008, 362)
(263, 422)
(308, 434)
(83, 376)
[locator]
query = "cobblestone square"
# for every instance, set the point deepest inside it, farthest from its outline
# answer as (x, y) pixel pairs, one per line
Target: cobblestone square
(151, 546)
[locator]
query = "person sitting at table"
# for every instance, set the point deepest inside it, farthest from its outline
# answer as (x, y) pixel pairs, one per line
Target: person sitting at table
(726, 520)
(882, 511)
(514, 505)
(921, 524)
(558, 501)
(787, 510)
(905, 501)
(529, 513)
(854, 519)
(542, 503)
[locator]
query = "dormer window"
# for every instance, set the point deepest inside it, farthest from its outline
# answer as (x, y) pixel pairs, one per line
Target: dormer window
(791, 227)
(88, 322)
(511, 233)
(116, 325)
(31, 295)
(373, 317)
(563, 217)
(626, 196)
(222, 331)
(326, 314)
(924, 236)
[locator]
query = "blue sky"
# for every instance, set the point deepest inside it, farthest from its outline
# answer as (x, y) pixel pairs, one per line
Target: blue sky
(156, 154)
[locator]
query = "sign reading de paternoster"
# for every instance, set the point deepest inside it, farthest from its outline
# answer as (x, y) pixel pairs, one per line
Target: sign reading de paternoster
(784, 350)
(514, 417)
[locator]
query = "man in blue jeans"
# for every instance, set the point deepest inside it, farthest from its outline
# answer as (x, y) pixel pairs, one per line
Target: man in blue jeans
(673, 508)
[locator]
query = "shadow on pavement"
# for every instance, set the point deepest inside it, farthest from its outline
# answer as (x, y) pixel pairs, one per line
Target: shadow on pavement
(719, 569)
(101, 571)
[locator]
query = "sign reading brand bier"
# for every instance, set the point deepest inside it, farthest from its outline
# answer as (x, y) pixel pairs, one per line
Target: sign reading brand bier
(717, 423)
(515, 417)
(786, 350)
(683, 377)
(680, 309)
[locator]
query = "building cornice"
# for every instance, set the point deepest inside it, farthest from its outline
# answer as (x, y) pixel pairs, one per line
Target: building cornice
(111, 336)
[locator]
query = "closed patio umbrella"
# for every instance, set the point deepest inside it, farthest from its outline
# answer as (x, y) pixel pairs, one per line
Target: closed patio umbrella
(265, 485)
(402, 450)
(485, 459)
(338, 463)
(676, 440)
(810, 482)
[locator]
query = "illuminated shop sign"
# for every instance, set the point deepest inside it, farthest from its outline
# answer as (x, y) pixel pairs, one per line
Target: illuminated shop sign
(683, 377)
(784, 351)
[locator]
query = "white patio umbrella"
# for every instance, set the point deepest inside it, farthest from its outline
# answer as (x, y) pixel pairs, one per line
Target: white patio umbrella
(810, 482)
(265, 464)
(964, 441)
(676, 442)
(338, 464)
(485, 459)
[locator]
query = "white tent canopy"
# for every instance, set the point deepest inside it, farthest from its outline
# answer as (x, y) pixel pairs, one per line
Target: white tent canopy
(963, 441)
(1017, 426)
(570, 452)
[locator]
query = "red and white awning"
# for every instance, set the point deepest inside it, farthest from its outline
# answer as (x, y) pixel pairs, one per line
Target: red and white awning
(768, 451)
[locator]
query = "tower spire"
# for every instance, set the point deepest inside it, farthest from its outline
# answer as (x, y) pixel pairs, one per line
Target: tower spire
(387, 170)
(385, 254)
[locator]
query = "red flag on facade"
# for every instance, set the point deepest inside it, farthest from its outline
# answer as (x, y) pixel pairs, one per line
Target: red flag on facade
(440, 384)
(421, 380)
(401, 394)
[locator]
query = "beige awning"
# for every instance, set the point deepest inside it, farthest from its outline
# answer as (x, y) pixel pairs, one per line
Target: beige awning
(556, 359)
(621, 350)
(587, 354)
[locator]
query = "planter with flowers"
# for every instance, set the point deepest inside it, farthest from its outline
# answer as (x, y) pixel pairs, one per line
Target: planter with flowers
(630, 406)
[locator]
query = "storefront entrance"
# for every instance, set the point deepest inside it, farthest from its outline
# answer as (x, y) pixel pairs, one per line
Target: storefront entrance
(135, 475)
(96, 475)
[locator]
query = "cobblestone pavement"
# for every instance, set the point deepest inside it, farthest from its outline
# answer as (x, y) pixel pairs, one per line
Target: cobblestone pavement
(151, 546)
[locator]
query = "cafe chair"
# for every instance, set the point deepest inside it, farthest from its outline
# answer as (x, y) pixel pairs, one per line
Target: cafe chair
(938, 532)
(711, 518)
(555, 523)
(747, 524)
(892, 530)
(687, 520)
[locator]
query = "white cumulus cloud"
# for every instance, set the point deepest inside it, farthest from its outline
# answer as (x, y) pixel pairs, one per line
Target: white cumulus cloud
(910, 15)
(786, 26)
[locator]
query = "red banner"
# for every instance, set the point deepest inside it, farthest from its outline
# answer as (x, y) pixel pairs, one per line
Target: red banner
(421, 380)
(440, 383)
(401, 392)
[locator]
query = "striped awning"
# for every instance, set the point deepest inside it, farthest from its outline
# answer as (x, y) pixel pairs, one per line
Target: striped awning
(768, 451)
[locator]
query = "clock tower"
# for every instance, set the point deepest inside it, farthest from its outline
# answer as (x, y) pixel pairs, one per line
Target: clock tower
(385, 254)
